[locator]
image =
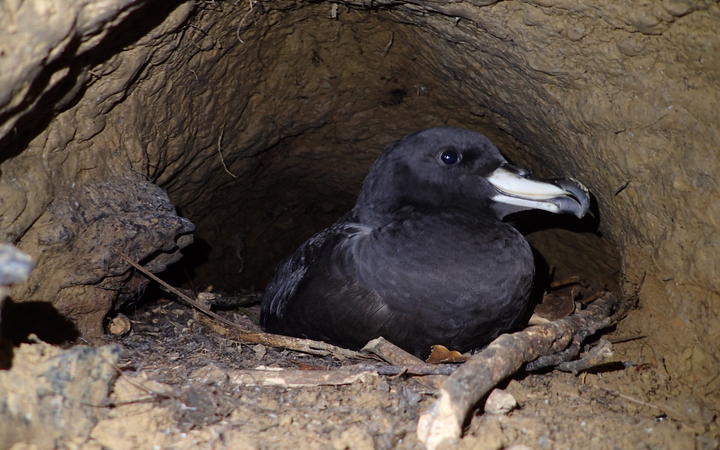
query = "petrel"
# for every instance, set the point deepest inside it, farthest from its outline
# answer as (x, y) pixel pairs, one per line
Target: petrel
(424, 257)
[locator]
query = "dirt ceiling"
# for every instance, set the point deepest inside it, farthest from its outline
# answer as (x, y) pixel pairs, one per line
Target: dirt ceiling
(259, 119)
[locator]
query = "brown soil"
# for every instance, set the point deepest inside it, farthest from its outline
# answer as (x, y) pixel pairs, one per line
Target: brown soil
(174, 393)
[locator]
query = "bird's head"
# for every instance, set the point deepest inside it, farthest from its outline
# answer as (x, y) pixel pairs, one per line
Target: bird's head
(456, 168)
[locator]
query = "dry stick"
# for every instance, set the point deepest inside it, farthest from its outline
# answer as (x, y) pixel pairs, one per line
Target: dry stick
(442, 423)
(271, 340)
(566, 282)
(334, 377)
(631, 399)
(391, 353)
(594, 357)
(622, 339)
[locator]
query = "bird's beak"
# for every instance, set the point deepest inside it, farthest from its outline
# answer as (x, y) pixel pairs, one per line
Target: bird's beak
(560, 196)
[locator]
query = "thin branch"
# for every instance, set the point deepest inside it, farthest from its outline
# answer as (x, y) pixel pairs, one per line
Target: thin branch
(335, 377)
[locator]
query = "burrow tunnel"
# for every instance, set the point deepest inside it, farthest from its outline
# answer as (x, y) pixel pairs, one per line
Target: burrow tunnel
(260, 119)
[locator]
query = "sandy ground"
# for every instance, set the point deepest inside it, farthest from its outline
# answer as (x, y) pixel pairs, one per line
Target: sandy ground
(175, 392)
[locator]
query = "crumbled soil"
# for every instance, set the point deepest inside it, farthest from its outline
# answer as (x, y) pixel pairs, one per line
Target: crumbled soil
(172, 395)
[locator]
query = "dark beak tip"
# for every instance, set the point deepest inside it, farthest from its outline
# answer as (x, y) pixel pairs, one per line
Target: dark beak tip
(579, 194)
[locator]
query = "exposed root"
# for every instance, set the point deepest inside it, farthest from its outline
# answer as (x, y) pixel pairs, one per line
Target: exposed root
(219, 150)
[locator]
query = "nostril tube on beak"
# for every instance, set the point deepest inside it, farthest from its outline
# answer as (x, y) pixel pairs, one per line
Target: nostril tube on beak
(519, 171)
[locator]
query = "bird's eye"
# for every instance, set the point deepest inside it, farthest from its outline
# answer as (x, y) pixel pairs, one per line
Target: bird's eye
(450, 157)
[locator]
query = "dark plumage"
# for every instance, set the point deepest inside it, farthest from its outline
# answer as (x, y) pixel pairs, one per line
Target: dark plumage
(424, 257)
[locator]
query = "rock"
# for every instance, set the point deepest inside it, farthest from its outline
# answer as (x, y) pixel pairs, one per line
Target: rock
(119, 325)
(83, 237)
(500, 402)
(15, 266)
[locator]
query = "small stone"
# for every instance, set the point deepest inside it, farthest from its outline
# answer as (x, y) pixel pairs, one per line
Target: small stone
(119, 325)
(500, 402)
(206, 298)
(15, 265)
(678, 8)
(260, 351)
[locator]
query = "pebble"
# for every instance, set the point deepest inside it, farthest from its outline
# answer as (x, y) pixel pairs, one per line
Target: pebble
(500, 402)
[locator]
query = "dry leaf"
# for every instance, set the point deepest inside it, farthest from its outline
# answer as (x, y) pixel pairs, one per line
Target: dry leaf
(556, 305)
(441, 354)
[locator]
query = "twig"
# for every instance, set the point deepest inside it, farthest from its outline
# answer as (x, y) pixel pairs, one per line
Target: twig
(566, 282)
(290, 378)
(391, 353)
(622, 188)
(620, 340)
(236, 331)
(629, 398)
(334, 377)
(219, 149)
(111, 404)
(596, 356)
(442, 423)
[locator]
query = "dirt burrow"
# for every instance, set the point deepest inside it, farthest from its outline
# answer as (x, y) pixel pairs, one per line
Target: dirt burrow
(257, 121)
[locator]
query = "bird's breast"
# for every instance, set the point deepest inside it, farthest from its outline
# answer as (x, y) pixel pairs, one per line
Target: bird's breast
(441, 265)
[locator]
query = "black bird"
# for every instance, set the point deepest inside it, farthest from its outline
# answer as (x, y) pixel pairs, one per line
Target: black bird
(424, 257)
